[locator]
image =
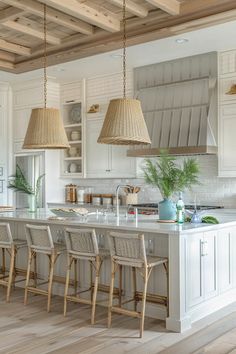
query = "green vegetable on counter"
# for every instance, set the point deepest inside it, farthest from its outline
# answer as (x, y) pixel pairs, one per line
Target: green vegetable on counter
(210, 220)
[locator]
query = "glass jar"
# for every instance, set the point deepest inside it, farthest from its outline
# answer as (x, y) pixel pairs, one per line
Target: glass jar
(106, 200)
(80, 195)
(71, 193)
(88, 195)
(96, 199)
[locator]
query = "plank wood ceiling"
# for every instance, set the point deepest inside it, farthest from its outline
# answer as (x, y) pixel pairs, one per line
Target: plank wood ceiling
(81, 28)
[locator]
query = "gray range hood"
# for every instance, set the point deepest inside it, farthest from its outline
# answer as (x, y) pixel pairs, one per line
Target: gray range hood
(179, 102)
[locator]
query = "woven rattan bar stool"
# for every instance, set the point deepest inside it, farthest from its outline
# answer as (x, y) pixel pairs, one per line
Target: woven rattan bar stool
(82, 244)
(129, 250)
(39, 240)
(7, 244)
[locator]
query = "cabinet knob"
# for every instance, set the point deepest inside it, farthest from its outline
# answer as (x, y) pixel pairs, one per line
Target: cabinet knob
(108, 170)
(70, 101)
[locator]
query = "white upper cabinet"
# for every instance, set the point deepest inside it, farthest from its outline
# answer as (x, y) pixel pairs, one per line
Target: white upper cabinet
(227, 115)
(105, 161)
(26, 96)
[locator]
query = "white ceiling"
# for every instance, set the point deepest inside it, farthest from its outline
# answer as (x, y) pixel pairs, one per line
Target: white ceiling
(215, 38)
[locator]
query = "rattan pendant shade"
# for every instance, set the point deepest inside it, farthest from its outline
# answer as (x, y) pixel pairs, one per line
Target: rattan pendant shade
(45, 130)
(124, 124)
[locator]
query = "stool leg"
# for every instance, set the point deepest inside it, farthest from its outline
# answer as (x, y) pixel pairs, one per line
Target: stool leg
(97, 273)
(69, 262)
(3, 261)
(11, 271)
(28, 276)
(145, 279)
(14, 267)
(166, 267)
(91, 280)
(75, 276)
(52, 262)
(111, 292)
(35, 269)
(120, 284)
(134, 287)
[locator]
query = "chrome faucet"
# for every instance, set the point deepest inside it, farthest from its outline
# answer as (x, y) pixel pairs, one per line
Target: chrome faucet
(117, 199)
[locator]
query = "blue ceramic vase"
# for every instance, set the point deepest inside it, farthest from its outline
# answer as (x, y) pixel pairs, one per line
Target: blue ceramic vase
(167, 210)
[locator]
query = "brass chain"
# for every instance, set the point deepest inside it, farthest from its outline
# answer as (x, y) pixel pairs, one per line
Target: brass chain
(45, 54)
(124, 48)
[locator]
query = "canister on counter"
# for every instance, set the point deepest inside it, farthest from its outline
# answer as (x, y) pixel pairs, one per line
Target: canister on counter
(71, 193)
(114, 200)
(96, 199)
(80, 194)
(88, 194)
(107, 200)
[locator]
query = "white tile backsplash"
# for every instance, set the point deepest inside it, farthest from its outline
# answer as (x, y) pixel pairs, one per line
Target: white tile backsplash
(212, 190)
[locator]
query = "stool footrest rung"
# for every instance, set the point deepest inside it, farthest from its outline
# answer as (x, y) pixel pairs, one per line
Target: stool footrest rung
(37, 290)
(3, 282)
(153, 298)
(78, 299)
(122, 311)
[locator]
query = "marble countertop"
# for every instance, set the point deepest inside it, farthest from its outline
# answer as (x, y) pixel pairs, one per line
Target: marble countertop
(143, 223)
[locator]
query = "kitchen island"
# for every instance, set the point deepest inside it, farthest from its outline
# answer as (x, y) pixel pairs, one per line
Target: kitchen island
(202, 265)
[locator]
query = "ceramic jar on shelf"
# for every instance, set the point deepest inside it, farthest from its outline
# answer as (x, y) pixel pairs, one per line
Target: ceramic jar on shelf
(72, 151)
(75, 135)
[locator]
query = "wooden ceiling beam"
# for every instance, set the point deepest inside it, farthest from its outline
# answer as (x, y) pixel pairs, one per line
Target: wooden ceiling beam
(10, 13)
(6, 64)
(14, 48)
(192, 6)
(172, 7)
(53, 15)
(132, 7)
(6, 56)
(31, 30)
(86, 13)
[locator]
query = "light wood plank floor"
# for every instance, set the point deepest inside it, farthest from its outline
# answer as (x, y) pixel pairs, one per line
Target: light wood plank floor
(31, 330)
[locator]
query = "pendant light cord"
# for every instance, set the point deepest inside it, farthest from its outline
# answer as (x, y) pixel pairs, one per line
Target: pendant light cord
(45, 55)
(124, 49)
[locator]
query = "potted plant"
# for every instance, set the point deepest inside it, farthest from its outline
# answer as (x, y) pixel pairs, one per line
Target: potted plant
(19, 183)
(164, 173)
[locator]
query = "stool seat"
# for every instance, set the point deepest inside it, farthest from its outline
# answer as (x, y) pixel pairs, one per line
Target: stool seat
(153, 261)
(20, 243)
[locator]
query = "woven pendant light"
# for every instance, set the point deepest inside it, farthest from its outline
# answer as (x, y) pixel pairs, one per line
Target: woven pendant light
(45, 129)
(124, 122)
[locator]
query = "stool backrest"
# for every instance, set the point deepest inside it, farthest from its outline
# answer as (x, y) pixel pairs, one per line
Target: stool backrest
(6, 239)
(81, 242)
(39, 238)
(127, 249)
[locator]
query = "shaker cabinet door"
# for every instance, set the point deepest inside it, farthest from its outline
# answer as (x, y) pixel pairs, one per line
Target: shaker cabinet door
(194, 269)
(227, 141)
(209, 255)
(97, 155)
(225, 257)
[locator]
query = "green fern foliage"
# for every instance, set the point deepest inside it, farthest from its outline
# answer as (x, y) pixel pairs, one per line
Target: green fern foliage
(164, 173)
(19, 183)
